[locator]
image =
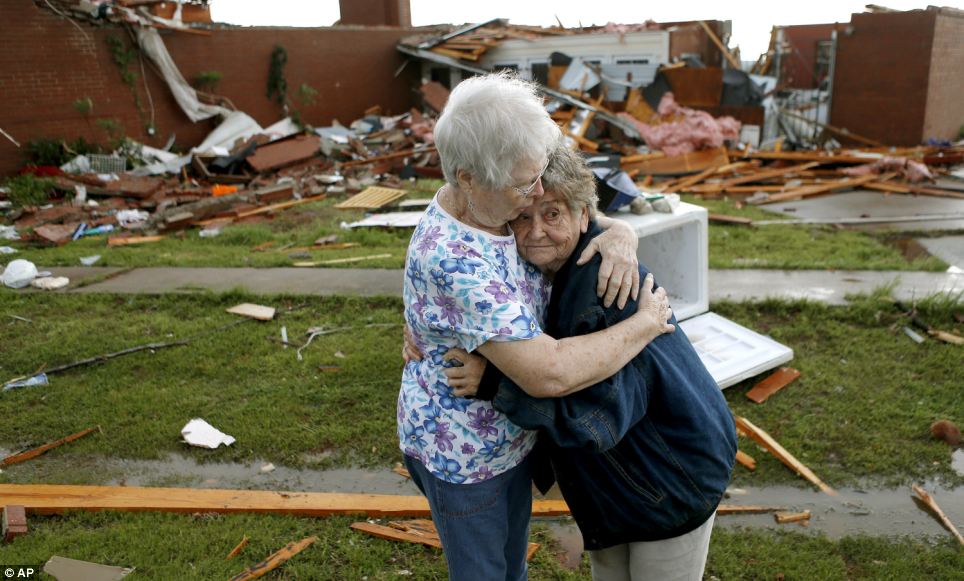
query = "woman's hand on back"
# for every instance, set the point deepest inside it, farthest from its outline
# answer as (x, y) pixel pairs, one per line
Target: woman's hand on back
(619, 271)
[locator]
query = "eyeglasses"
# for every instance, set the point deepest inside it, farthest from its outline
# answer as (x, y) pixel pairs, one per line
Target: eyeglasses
(524, 192)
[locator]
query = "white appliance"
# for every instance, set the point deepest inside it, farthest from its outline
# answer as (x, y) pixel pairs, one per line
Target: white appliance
(675, 248)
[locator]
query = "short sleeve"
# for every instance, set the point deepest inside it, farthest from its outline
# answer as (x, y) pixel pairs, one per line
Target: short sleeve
(476, 306)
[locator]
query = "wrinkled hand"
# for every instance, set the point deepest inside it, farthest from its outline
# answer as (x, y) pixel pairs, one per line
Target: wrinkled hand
(619, 271)
(655, 306)
(410, 350)
(464, 379)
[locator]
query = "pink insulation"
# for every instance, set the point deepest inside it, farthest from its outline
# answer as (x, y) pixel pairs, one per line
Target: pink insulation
(914, 171)
(696, 130)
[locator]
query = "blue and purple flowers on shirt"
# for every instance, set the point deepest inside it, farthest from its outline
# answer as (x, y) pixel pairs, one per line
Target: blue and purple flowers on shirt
(463, 287)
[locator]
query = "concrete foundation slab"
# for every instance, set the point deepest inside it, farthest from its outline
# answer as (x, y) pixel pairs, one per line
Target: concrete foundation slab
(875, 204)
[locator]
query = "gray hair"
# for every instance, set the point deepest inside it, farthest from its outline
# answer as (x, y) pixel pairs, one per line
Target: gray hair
(569, 177)
(490, 124)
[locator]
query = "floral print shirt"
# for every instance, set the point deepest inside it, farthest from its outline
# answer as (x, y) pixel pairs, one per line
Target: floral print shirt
(463, 287)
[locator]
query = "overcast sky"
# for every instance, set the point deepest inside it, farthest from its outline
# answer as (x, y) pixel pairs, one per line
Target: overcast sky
(751, 20)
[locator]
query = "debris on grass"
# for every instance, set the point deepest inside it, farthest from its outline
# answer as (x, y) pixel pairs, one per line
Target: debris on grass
(772, 446)
(784, 517)
(931, 504)
(198, 432)
(746, 460)
(418, 531)
(946, 431)
(275, 560)
(14, 522)
(772, 384)
(29, 454)
(64, 569)
(38, 379)
(401, 470)
(237, 549)
(258, 312)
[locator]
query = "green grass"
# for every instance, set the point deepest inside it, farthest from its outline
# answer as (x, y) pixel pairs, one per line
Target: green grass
(861, 409)
(801, 247)
(170, 546)
(778, 247)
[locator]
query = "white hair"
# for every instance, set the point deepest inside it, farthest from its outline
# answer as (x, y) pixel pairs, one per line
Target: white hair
(490, 124)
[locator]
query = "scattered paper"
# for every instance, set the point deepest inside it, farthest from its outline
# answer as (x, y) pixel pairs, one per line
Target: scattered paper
(199, 433)
(89, 260)
(50, 283)
(269, 467)
(39, 379)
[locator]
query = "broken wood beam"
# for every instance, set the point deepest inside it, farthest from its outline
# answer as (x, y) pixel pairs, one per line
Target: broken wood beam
(772, 384)
(909, 189)
(784, 517)
(926, 498)
(746, 460)
(29, 454)
(396, 155)
(819, 189)
(421, 532)
(766, 174)
(774, 447)
(719, 44)
(724, 219)
(128, 240)
(237, 549)
(57, 499)
(686, 183)
(274, 560)
(747, 509)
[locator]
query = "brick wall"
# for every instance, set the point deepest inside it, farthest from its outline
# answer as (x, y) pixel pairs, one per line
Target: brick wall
(798, 68)
(46, 64)
(882, 75)
(945, 94)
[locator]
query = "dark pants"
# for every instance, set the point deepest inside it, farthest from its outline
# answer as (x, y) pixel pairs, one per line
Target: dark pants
(484, 527)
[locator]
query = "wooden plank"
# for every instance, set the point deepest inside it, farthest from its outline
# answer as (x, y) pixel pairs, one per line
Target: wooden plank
(386, 157)
(259, 312)
(687, 183)
(811, 156)
(237, 549)
(909, 189)
(746, 460)
(772, 384)
(696, 161)
(783, 517)
(392, 534)
(274, 560)
(721, 218)
(372, 198)
(820, 189)
(926, 498)
(759, 176)
(774, 447)
(128, 240)
(265, 209)
(719, 44)
(56, 499)
(24, 456)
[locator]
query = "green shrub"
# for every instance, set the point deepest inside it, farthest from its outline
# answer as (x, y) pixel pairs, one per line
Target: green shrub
(28, 190)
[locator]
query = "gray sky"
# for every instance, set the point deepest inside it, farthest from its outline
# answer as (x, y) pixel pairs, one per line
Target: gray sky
(751, 20)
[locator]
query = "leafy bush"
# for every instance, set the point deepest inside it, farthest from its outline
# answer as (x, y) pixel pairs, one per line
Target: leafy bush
(28, 190)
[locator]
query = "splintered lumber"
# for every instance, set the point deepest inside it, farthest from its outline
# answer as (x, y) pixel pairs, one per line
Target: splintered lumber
(396, 155)
(746, 460)
(57, 499)
(909, 189)
(759, 176)
(772, 446)
(275, 560)
(719, 44)
(946, 337)
(128, 240)
(237, 549)
(372, 198)
(691, 181)
(772, 384)
(259, 312)
(926, 498)
(262, 210)
(420, 531)
(24, 456)
(687, 163)
(825, 188)
(788, 517)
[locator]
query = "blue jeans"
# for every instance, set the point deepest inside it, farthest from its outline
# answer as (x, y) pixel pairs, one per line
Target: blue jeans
(484, 527)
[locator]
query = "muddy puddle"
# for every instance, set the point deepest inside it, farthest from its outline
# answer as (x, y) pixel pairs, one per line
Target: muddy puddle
(910, 248)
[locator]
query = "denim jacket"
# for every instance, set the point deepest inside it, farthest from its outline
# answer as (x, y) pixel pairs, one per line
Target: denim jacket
(644, 455)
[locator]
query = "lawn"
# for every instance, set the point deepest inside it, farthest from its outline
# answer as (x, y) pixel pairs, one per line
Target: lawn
(778, 247)
(858, 416)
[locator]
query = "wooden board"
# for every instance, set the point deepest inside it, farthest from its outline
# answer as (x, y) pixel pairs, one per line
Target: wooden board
(274, 560)
(420, 531)
(127, 240)
(772, 384)
(774, 447)
(23, 456)
(819, 189)
(788, 517)
(687, 163)
(746, 460)
(259, 312)
(371, 198)
(57, 499)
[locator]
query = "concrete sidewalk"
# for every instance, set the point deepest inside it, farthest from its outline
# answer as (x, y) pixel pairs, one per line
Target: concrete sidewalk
(735, 284)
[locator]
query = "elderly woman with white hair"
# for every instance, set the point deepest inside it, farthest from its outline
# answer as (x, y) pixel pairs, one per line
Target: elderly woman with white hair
(466, 288)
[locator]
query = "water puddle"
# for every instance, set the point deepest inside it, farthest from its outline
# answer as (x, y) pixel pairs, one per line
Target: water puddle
(910, 248)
